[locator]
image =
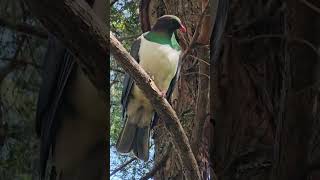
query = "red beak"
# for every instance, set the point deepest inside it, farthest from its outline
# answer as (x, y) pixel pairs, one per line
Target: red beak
(183, 29)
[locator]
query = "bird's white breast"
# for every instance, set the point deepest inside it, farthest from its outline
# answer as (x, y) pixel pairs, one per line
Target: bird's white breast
(159, 61)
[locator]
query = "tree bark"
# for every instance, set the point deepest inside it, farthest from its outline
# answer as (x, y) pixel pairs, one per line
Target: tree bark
(265, 97)
(294, 128)
(244, 93)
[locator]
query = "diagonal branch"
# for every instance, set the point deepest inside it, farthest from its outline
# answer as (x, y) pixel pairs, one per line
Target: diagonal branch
(310, 5)
(122, 166)
(160, 104)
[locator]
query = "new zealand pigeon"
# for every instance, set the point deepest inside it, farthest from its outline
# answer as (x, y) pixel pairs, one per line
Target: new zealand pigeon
(157, 52)
(71, 117)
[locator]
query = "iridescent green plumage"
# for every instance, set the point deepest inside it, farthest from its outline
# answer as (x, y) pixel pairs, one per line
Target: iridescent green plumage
(162, 38)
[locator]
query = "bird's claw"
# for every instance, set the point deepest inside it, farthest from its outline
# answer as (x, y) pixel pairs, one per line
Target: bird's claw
(163, 94)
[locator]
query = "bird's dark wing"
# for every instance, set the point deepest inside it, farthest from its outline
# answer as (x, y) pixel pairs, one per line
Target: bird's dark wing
(58, 64)
(128, 81)
(173, 82)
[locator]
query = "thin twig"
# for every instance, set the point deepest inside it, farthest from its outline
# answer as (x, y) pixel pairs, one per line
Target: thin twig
(129, 37)
(199, 59)
(157, 166)
(186, 74)
(117, 70)
(196, 34)
(310, 5)
(122, 166)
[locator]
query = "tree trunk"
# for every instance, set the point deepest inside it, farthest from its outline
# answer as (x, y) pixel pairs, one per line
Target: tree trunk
(295, 123)
(245, 88)
(265, 92)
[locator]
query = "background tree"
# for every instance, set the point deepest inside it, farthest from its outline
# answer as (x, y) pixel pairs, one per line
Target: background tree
(265, 92)
(22, 44)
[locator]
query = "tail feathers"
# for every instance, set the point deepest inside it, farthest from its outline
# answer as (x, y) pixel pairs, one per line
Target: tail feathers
(128, 133)
(141, 143)
(126, 138)
(135, 138)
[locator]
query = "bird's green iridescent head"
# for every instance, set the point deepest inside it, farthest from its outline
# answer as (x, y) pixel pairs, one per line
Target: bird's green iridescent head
(168, 24)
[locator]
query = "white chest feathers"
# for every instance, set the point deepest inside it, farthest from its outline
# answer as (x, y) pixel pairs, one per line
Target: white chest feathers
(159, 61)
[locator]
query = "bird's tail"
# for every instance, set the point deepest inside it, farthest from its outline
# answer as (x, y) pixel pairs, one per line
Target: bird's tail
(135, 138)
(141, 143)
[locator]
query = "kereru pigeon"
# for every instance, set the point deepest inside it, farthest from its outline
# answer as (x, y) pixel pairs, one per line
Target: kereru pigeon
(71, 117)
(157, 52)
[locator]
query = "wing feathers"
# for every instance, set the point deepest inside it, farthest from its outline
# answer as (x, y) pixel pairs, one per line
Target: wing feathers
(57, 68)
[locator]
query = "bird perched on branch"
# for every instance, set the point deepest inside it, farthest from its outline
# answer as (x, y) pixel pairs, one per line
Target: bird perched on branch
(157, 52)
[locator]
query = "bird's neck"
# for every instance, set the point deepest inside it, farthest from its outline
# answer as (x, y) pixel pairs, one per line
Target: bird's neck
(163, 38)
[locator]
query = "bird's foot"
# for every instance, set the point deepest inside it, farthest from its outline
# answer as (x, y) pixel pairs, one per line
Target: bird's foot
(163, 94)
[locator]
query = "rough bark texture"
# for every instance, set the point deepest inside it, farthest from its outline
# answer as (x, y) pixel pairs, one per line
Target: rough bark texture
(246, 92)
(295, 124)
(77, 26)
(266, 114)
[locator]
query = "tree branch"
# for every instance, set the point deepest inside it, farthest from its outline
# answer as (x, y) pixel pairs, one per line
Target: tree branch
(79, 29)
(129, 37)
(117, 70)
(310, 5)
(196, 34)
(160, 104)
(157, 166)
(122, 166)
(24, 28)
